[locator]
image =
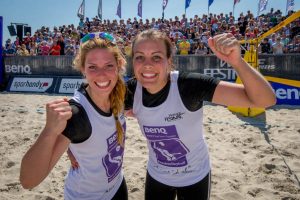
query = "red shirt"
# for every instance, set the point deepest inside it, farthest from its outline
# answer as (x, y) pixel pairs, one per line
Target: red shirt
(55, 50)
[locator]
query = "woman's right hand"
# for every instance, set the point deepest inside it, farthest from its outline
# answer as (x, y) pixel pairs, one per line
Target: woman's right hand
(74, 163)
(129, 113)
(58, 113)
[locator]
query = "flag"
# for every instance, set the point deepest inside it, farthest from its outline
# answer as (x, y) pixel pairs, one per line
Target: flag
(80, 12)
(165, 3)
(262, 5)
(236, 1)
(289, 5)
(100, 10)
(187, 3)
(140, 8)
(210, 2)
(119, 9)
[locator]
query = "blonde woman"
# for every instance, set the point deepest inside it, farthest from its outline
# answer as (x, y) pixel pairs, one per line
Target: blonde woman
(91, 125)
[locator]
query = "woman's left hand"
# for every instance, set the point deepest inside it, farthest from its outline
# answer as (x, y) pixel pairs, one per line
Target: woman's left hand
(227, 48)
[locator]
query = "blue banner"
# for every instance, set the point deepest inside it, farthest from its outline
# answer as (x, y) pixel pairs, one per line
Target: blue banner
(187, 3)
(140, 8)
(286, 94)
(119, 10)
(1, 59)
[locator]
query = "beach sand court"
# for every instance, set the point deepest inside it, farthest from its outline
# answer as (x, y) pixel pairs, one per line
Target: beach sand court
(252, 158)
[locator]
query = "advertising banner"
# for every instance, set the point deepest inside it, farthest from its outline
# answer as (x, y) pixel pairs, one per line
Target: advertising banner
(67, 85)
(282, 71)
(32, 84)
(287, 91)
(1, 59)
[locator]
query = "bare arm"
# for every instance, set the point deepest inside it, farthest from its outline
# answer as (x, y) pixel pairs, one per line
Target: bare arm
(49, 147)
(255, 91)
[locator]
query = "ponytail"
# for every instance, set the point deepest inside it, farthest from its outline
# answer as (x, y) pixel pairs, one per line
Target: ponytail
(117, 97)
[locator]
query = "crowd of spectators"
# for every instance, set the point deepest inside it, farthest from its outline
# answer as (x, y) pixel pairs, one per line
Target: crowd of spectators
(189, 36)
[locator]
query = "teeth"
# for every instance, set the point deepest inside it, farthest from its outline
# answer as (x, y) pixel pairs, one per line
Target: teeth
(149, 75)
(102, 84)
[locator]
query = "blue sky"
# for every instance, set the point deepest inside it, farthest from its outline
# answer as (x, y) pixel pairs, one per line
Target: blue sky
(50, 13)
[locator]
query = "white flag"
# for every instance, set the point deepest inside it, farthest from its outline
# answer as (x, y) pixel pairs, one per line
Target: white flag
(165, 3)
(262, 5)
(289, 5)
(80, 12)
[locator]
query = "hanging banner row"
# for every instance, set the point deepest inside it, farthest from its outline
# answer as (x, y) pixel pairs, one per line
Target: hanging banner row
(42, 84)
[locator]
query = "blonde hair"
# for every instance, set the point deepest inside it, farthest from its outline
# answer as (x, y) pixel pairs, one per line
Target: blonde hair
(117, 96)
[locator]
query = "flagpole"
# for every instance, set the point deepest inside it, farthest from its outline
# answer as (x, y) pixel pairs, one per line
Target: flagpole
(257, 10)
(163, 13)
(233, 9)
(286, 10)
(208, 8)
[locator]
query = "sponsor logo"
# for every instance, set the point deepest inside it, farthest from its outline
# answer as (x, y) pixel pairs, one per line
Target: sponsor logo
(223, 74)
(18, 69)
(158, 130)
(174, 117)
(262, 65)
(69, 85)
(112, 139)
(31, 84)
(287, 93)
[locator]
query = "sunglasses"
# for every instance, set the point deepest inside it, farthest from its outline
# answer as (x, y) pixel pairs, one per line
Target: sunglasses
(105, 36)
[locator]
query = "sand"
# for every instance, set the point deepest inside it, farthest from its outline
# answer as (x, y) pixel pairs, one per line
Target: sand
(252, 158)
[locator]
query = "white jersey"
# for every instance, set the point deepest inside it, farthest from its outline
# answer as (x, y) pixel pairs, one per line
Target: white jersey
(178, 154)
(100, 158)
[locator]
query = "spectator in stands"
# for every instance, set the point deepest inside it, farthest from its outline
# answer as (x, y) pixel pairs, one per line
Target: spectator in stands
(272, 40)
(22, 50)
(278, 47)
(174, 48)
(184, 46)
(27, 40)
(43, 48)
(55, 49)
(294, 46)
(204, 38)
(196, 27)
(284, 39)
(249, 34)
(127, 47)
(200, 49)
(265, 46)
(61, 43)
(33, 48)
(17, 42)
(70, 49)
(9, 50)
(50, 42)
(7, 43)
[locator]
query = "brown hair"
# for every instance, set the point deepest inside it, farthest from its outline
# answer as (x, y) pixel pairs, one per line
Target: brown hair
(117, 96)
(155, 35)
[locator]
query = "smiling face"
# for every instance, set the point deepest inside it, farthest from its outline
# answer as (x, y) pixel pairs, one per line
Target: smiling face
(101, 71)
(151, 65)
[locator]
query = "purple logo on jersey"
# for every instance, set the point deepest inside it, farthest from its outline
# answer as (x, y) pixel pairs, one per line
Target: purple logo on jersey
(113, 160)
(169, 149)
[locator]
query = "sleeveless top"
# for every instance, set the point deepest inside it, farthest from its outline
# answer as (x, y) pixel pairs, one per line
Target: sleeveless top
(178, 154)
(100, 158)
